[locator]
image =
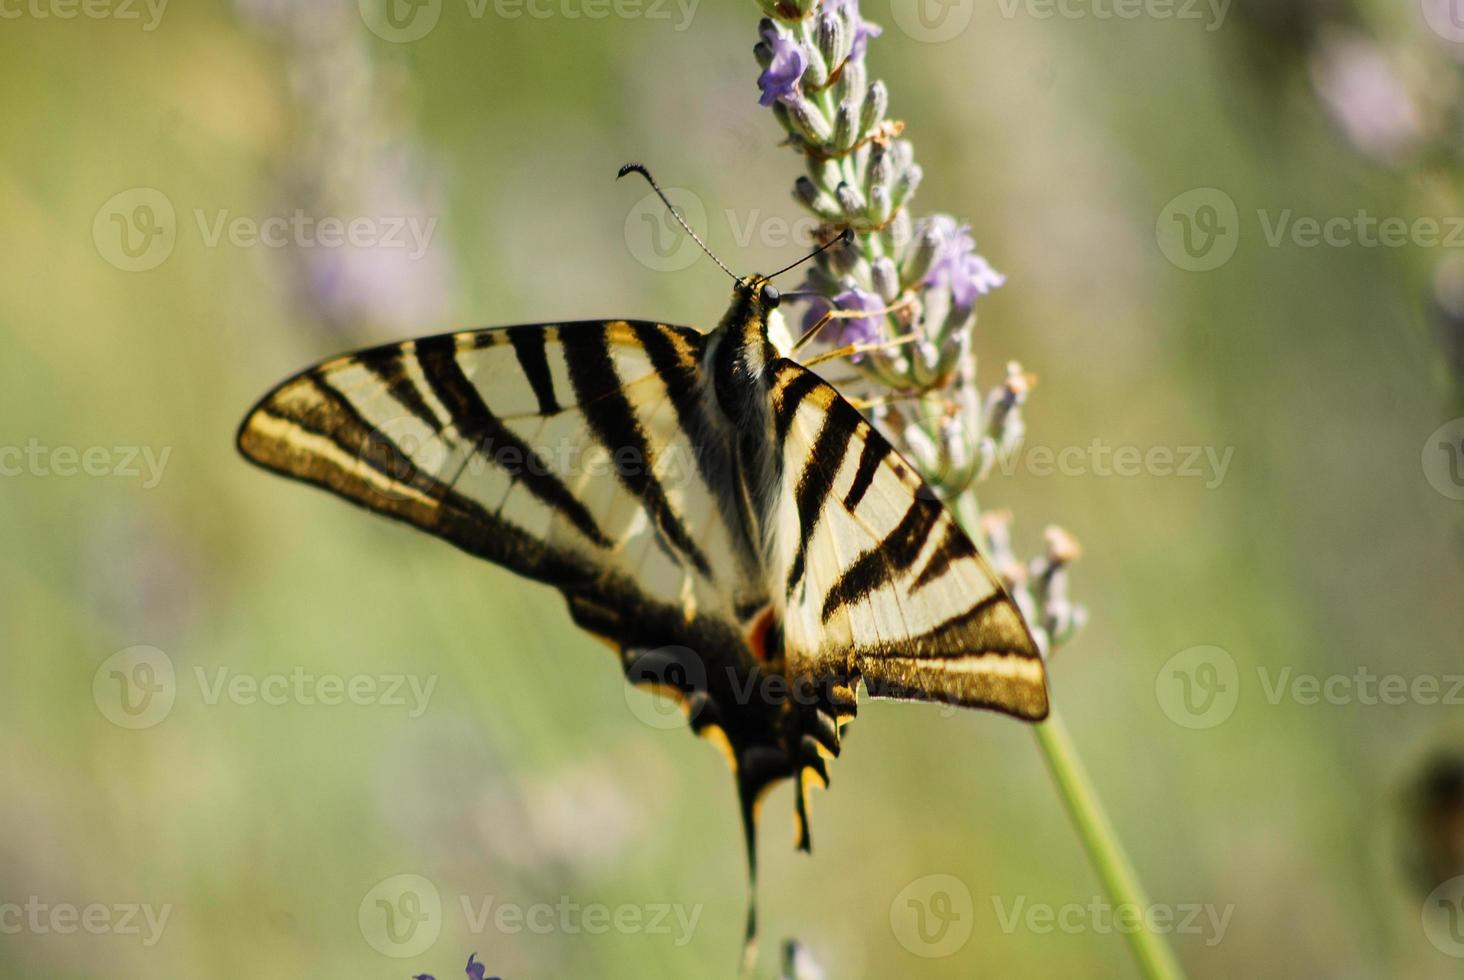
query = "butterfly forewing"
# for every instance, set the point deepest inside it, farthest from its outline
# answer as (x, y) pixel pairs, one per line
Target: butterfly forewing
(559, 452)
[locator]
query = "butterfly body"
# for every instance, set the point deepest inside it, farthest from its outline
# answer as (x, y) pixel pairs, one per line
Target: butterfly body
(717, 513)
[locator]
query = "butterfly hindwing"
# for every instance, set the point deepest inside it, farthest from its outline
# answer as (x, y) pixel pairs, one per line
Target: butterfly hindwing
(880, 581)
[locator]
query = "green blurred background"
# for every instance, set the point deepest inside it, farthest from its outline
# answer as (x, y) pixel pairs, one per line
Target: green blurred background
(533, 775)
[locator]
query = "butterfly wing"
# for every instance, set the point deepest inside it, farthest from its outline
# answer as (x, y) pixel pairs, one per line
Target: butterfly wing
(880, 582)
(579, 455)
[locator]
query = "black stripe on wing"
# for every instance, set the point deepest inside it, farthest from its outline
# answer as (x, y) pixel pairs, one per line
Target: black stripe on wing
(816, 482)
(373, 472)
(613, 422)
(896, 553)
(528, 346)
(492, 439)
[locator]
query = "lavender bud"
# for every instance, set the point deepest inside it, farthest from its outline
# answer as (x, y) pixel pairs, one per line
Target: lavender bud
(845, 262)
(898, 232)
(844, 134)
(876, 104)
(803, 6)
(807, 193)
(825, 172)
(880, 168)
(879, 208)
(886, 279)
(904, 154)
(922, 450)
(850, 200)
(852, 81)
(816, 75)
(834, 39)
(780, 113)
(808, 120)
(763, 53)
(922, 254)
(905, 185)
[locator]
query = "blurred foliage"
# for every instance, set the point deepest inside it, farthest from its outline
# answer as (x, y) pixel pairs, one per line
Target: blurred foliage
(530, 776)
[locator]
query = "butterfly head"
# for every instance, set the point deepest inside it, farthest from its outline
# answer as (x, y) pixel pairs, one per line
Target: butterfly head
(758, 294)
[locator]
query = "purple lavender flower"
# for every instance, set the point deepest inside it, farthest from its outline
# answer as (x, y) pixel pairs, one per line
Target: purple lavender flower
(863, 29)
(957, 266)
(779, 81)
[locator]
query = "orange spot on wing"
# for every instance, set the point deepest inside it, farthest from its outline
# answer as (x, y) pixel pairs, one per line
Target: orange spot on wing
(758, 634)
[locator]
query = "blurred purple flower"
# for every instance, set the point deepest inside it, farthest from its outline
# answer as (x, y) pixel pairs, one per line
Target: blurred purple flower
(957, 266)
(780, 79)
(863, 29)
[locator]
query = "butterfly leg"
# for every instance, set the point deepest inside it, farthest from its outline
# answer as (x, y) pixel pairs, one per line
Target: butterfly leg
(837, 314)
(848, 350)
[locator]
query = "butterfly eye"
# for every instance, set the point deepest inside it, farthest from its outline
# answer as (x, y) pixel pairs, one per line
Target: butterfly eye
(771, 296)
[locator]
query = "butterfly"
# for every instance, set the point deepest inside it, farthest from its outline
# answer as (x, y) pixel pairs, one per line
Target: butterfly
(735, 530)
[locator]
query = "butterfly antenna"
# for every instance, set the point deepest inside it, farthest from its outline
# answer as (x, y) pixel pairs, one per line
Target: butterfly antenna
(640, 169)
(844, 237)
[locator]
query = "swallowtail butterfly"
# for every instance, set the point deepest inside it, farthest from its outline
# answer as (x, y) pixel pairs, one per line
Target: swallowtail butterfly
(722, 517)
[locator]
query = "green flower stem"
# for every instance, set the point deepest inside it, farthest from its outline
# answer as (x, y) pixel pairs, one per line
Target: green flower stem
(1115, 871)
(1156, 959)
